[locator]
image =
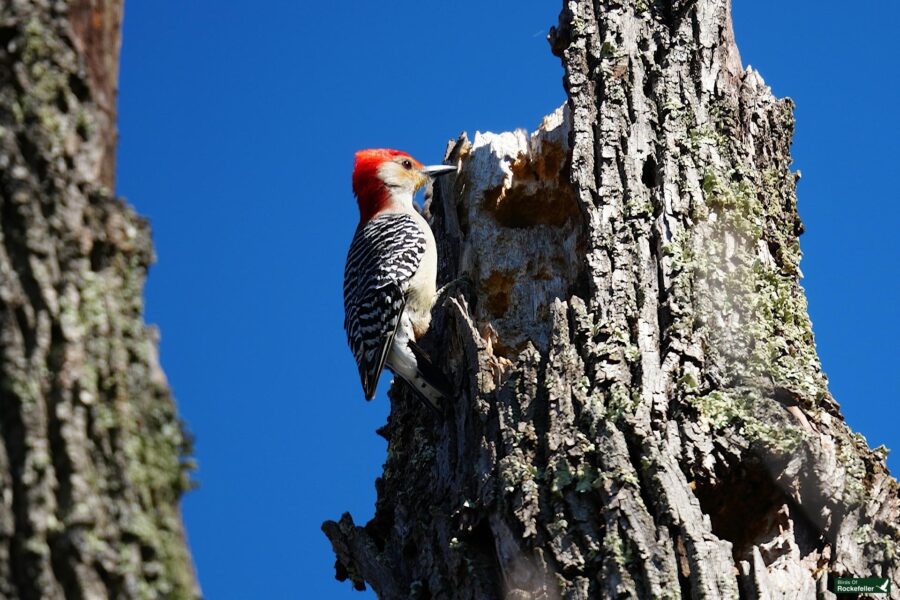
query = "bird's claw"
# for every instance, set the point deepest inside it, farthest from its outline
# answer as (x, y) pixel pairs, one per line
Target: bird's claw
(463, 281)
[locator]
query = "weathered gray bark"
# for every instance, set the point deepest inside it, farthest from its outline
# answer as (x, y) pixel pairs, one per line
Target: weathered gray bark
(642, 412)
(91, 466)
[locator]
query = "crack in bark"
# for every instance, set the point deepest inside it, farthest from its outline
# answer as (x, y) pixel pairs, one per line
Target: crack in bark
(91, 455)
(610, 444)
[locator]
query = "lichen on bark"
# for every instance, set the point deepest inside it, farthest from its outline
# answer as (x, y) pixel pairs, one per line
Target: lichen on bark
(641, 411)
(93, 458)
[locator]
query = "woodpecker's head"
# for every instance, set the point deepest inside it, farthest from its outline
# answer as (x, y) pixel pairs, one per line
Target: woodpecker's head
(384, 179)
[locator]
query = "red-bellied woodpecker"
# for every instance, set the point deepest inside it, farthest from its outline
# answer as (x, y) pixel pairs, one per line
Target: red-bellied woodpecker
(391, 272)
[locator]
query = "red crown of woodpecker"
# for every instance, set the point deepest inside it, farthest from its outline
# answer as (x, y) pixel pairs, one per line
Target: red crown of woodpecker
(370, 191)
(365, 169)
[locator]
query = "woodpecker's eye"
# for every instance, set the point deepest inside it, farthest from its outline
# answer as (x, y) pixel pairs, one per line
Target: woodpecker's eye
(407, 164)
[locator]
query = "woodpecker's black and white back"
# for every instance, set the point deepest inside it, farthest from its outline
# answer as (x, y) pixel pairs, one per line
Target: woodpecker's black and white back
(391, 273)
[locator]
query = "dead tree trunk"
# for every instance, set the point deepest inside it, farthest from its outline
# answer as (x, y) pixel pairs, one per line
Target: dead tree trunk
(91, 466)
(642, 412)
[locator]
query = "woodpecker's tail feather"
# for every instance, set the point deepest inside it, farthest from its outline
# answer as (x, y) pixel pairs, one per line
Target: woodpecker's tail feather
(427, 380)
(428, 394)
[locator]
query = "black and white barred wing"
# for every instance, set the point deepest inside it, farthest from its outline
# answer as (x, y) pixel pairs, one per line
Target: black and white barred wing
(384, 255)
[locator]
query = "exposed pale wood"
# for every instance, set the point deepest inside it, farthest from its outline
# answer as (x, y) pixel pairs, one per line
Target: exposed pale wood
(642, 412)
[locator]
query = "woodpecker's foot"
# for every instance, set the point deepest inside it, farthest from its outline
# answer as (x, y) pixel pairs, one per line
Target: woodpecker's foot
(465, 283)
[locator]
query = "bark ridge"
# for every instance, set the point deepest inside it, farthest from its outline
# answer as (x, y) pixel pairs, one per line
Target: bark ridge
(642, 410)
(92, 456)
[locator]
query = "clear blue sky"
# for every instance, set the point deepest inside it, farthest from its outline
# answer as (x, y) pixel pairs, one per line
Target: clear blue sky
(238, 124)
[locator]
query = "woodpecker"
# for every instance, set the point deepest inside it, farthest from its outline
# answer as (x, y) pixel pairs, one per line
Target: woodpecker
(391, 273)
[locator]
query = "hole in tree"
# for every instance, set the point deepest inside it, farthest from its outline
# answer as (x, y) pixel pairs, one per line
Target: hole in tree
(743, 505)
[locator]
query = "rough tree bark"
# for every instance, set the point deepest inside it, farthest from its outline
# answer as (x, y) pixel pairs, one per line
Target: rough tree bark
(642, 412)
(91, 466)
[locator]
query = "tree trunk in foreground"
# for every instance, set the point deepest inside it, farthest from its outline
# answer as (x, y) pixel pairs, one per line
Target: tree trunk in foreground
(642, 413)
(91, 466)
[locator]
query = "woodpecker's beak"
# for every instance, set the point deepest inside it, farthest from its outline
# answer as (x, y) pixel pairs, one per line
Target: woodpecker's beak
(438, 170)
